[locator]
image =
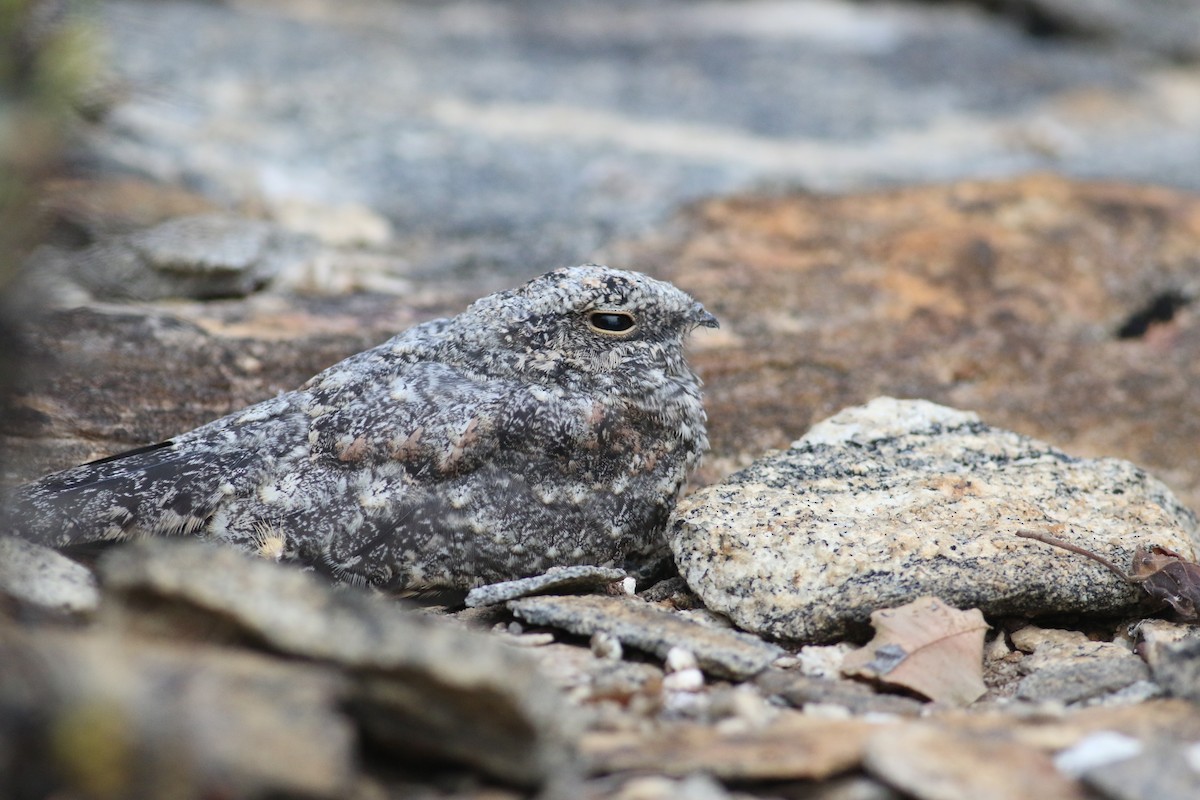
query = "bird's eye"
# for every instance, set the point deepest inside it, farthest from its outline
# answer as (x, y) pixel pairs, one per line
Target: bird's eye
(611, 322)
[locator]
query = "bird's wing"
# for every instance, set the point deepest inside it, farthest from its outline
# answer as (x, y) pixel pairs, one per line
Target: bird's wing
(436, 419)
(169, 488)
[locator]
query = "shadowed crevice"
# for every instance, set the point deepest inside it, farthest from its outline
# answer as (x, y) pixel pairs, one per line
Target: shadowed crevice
(1161, 308)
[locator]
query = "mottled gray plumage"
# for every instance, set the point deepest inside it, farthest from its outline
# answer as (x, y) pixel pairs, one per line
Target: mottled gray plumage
(551, 424)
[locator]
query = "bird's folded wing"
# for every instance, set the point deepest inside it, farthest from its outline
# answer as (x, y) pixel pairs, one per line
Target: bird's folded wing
(169, 488)
(433, 419)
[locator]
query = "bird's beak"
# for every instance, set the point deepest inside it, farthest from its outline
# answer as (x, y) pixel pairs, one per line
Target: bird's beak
(702, 319)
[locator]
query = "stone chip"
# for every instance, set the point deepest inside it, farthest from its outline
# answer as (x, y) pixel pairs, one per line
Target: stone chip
(719, 651)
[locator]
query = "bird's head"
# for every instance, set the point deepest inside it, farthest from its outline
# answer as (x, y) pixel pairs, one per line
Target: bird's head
(591, 325)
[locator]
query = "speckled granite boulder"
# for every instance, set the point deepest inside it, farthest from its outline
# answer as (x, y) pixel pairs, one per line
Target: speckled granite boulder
(886, 502)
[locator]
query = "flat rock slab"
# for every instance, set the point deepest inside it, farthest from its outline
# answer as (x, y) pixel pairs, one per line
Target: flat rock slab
(935, 763)
(886, 502)
(417, 684)
(792, 747)
(857, 697)
(719, 651)
(555, 580)
(168, 719)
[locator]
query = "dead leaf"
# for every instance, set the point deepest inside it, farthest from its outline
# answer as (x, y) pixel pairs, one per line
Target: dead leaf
(927, 646)
(1163, 573)
(1169, 576)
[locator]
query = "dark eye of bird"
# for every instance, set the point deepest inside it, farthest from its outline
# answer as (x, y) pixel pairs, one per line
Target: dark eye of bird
(610, 321)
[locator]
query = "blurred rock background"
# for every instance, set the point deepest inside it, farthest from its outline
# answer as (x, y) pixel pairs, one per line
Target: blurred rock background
(497, 137)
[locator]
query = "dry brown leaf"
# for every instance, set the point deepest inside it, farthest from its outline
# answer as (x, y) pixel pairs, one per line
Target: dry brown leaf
(1169, 576)
(1163, 573)
(928, 647)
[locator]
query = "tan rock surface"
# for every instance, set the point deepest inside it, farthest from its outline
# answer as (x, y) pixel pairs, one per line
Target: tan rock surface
(932, 763)
(1063, 310)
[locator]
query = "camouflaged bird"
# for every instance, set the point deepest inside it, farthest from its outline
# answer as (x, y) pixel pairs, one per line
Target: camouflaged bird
(552, 424)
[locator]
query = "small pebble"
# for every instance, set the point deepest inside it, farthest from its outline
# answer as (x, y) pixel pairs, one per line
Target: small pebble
(532, 639)
(823, 661)
(743, 709)
(606, 646)
(680, 659)
(997, 648)
(1192, 756)
(826, 711)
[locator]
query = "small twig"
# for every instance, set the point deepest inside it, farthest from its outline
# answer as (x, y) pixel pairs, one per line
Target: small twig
(1054, 541)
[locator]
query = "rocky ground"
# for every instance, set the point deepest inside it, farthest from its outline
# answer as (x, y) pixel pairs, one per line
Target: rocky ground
(259, 189)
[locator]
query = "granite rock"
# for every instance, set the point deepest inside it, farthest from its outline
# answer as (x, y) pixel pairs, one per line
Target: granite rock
(883, 503)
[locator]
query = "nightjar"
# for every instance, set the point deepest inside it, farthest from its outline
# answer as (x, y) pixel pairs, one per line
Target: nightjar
(552, 424)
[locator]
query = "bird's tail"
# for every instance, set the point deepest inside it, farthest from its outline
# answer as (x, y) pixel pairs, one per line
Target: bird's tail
(161, 489)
